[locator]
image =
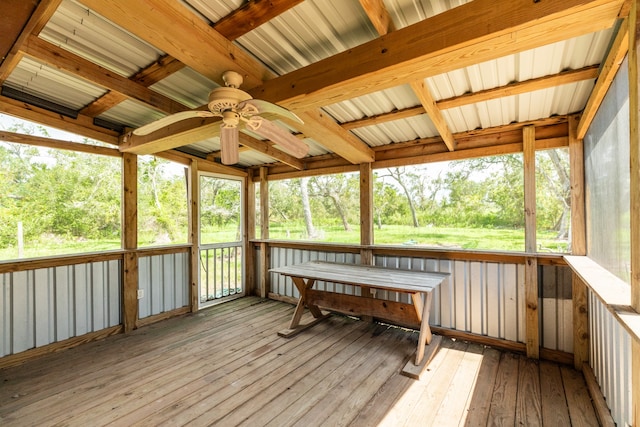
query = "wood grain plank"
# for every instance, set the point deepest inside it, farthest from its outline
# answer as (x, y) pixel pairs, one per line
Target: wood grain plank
(455, 405)
(581, 410)
(528, 403)
(480, 404)
(554, 403)
(505, 390)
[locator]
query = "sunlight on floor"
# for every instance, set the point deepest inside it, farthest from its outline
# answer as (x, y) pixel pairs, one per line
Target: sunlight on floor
(443, 394)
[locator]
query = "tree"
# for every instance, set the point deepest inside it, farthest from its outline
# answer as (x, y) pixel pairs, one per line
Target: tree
(339, 190)
(306, 208)
(409, 182)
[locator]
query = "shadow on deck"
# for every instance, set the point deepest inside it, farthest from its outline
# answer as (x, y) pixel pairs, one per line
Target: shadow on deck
(227, 366)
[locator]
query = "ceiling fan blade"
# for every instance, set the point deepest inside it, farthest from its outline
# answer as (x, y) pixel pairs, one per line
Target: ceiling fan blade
(279, 136)
(269, 107)
(169, 120)
(229, 145)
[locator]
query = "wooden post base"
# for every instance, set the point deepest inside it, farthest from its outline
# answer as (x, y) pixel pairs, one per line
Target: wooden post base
(414, 371)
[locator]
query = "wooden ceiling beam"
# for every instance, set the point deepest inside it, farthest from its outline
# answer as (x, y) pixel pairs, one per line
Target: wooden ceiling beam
(610, 67)
(174, 29)
(511, 89)
(475, 32)
(37, 21)
(265, 147)
(324, 130)
(429, 104)
(57, 144)
(64, 60)
(150, 27)
(554, 131)
(81, 125)
(378, 15)
(146, 77)
(251, 15)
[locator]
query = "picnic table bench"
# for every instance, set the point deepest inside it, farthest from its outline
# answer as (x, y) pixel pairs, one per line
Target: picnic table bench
(418, 284)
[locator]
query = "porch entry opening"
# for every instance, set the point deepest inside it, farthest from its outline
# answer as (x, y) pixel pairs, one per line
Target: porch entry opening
(221, 255)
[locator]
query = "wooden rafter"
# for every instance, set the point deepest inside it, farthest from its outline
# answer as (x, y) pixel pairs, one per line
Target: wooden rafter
(37, 21)
(610, 67)
(545, 82)
(58, 144)
(267, 148)
(484, 30)
(380, 18)
(146, 77)
(550, 133)
(199, 46)
(64, 60)
(336, 139)
(251, 15)
(378, 15)
(81, 125)
(434, 113)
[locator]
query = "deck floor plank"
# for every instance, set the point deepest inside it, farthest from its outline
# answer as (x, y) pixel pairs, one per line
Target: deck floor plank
(227, 366)
(528, 404)
(554, 403)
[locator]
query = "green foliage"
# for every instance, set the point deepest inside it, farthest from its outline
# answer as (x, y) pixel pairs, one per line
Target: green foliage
(162, 202)
(57, 196)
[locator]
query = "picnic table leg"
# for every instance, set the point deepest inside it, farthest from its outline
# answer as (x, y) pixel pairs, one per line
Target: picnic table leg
(302, 289)
(294, 325)
(422, 305)
(425, 331)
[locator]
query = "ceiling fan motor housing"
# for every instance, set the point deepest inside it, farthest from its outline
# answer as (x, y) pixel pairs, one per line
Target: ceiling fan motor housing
(222, 99)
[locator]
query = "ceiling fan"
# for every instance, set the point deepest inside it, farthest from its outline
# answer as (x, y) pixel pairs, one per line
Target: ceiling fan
(235, 106)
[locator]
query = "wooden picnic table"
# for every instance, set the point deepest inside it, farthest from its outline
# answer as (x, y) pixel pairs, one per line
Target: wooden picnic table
(418, 284)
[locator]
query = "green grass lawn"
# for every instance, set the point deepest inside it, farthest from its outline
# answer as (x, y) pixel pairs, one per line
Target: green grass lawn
(437, 237)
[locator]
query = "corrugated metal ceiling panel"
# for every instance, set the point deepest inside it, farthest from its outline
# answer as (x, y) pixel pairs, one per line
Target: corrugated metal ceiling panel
(88, 35)
(50, 84)
(187, 87)
(131, 113)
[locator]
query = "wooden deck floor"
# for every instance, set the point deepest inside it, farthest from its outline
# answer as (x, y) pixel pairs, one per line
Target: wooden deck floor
(227, 366)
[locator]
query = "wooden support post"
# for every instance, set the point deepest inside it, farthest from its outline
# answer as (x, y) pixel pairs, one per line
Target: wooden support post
(578, 246)
(634, 203)
(249, 234)
(531, 262)
(193, 185)
(130, 241)
(366, 224)
(265, 256)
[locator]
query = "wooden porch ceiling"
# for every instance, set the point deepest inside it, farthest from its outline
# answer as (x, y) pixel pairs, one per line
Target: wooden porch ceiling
(477, 31)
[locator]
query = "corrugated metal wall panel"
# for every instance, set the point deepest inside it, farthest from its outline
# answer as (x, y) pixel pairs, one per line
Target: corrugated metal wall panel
(484, 298)
(47, 305)
(165, 282)
(610, 360)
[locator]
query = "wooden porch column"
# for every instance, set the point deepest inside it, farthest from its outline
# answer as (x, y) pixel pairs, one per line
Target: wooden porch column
(193, 185)
(366, 213)
(130, 241)
(265, 259)
(531, 262)
(249, 216)
(634, 169)
(578, 245)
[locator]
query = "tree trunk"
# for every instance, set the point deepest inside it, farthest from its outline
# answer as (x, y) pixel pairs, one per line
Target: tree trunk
(306, 208)
(343, 216)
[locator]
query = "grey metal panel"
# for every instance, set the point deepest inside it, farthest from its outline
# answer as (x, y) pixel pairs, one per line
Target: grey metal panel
(610, 360)
(164, 280)
(47, 305)
(556, 308)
